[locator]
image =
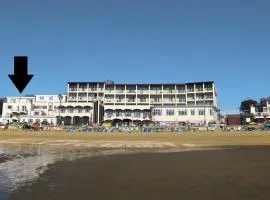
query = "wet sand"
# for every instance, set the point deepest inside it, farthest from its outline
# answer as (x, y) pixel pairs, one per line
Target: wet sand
(242, 173)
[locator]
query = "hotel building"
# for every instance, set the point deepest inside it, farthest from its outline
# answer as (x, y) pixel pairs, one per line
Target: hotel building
(264, 115)
(53, 109)
(120, 104)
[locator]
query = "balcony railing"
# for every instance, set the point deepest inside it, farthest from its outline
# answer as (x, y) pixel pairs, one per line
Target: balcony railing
(82, 89)
(109, 91)
(168, 91)
(72, 98)
(143, 91)
(129, 115)
(109, 100)
(262, 114)
(156, 91)
(120, 91)
(208, 89)
(120, 101)
(72, 89)
(131, 101)
(131, 91)
(92, 89)
(182, 100)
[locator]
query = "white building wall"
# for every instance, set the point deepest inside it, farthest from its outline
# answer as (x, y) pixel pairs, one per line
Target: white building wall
(188, 114)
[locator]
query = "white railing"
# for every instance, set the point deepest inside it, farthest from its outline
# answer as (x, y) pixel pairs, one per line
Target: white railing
(168, 91)
(156, 91)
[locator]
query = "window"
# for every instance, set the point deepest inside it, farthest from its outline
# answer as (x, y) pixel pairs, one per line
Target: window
(169, 112)
(201, 112)
(36, 113)
(41, 98)
(117, 113)
(143, 99)
(156, 99)
(128, 113)
(145, 114)
(131, 99)
(171, 99)
(24, 108)
(51, 98)
(192, 112)
(182, 112)
(137, 114)
(62, 109)
(157, 112)
(109, 113)
(50, 107)
(9, 107)
(211, 112)
(182, 99)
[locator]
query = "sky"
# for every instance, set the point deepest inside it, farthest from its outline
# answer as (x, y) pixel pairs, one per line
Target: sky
(135, 41)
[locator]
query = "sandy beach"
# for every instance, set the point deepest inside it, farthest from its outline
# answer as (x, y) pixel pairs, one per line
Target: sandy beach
(136, 140)
(195, 165)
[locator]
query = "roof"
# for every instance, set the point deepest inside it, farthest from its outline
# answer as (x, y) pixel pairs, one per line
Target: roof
(199, 82)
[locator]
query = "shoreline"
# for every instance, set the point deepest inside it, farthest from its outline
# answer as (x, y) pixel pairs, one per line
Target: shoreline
(215, 174)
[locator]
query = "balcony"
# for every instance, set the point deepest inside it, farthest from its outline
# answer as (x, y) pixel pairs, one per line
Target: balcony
(131, 100)
(208, 89)
(120, 101)
(72, 98)
(156, 102)
(156, 92)
(168, 91)
(109, 91)
(131, 91)
(182, 100)
(82, 98)
(109, 101)
(181, 91)
(262, 114)
(143, 92)
(199, 89)
(143, 101)
(73, 89)
(84, 89)
(120, 91)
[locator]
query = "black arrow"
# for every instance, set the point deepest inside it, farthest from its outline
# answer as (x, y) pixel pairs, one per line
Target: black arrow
(20, 78)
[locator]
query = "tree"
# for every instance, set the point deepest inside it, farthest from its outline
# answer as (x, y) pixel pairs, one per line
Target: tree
(245, 105)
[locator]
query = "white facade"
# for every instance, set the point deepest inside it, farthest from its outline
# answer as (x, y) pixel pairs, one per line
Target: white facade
(265, 114)
(30, 109)
(189, 114)
(137, 102)
(45, 108)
